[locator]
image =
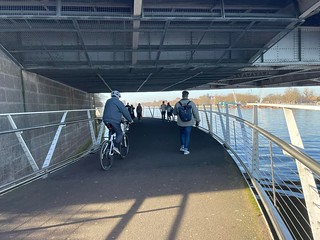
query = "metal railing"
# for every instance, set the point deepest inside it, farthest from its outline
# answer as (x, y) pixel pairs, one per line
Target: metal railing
(36, 143)
(285, 178)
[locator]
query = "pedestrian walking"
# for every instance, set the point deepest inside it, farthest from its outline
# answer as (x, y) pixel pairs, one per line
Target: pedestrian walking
(139, 111)
(188, 115)
(169, 112)
(131, 111)
(163, 109)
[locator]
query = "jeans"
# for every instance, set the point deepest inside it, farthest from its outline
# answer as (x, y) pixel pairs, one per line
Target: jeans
(117, 129)
(185, 136)
(163, 115)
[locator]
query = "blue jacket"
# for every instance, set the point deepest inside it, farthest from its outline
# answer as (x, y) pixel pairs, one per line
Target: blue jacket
(114, 109)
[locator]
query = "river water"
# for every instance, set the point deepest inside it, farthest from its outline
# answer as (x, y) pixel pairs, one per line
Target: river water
(273, 120)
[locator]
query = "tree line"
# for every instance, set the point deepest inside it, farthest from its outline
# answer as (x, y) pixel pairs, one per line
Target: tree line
(290, 96)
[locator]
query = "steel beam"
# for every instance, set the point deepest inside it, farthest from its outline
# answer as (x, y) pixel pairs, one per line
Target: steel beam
(142, 29)
(142, 48)
(308, 7)
(277, 19)
(161, 42)
(137, 9)
(80, 37)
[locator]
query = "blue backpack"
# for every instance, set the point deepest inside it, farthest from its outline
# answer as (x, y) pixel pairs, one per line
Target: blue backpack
(185, 112)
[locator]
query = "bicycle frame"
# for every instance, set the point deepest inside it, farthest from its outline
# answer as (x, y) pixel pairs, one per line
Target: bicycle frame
(112, 136)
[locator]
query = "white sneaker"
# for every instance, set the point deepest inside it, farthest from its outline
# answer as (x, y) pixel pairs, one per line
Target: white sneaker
(186, 152)
(182, 149)
(116, 150)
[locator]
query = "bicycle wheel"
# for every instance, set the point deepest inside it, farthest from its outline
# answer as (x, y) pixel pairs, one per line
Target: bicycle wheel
(124, 146)
(106, 159)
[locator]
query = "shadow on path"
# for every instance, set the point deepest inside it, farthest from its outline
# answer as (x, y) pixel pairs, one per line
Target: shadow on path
(155, 193)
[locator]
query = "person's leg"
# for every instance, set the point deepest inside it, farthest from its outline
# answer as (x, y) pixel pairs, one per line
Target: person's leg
(182, 136)
(187, 137)
(119, 134)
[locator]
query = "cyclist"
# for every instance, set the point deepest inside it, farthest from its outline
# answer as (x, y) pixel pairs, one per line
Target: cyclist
(114, 109)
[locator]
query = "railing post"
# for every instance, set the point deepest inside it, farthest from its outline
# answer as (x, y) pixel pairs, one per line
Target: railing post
(101, 130)
(309, 187)
(93, 136)
(207, 118)
(272, 174)
(24, 145)
(222, 123)
(211, 124)
(255, 146)
(150, 112)
(227, 124)
(234, 134)
(244, 134)
(215, 121)
(54, 142)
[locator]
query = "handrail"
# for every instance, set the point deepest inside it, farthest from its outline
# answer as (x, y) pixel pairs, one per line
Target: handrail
(292, 150)
(46, 112)
(47, 125)
(305, 107)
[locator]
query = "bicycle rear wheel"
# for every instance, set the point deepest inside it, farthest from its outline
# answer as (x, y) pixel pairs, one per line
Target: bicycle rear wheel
(124, 146)
(106, 159)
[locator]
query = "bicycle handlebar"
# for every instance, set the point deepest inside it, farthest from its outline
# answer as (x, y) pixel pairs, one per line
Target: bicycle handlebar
(126, 121)
(126, 125)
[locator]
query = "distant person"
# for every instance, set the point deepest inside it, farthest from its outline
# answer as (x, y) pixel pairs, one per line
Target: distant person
(113, 112)
(139, 111)
(188, 115)
(128, 107)
(169, 112)
(131, 111)
(163, 109)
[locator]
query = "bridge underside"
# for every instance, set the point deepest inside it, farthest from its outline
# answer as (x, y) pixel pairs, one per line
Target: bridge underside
(161, 45)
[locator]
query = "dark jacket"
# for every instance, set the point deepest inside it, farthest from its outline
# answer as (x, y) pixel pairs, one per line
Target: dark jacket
(114, 109)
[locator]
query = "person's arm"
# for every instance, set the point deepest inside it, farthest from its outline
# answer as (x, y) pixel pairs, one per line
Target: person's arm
(195, 113)
(175, 111)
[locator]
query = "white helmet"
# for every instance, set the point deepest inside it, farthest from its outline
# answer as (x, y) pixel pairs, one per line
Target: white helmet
(115, 93)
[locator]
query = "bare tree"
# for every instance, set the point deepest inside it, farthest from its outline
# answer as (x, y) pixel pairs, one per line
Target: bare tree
(272, 98)
(308, 95)
(291, 95)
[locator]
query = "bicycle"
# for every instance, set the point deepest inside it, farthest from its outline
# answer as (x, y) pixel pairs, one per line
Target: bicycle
(107, 153)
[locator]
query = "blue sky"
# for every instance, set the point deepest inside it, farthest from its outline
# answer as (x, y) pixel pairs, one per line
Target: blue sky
(137, 97)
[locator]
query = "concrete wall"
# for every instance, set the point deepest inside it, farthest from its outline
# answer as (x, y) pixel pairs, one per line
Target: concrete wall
(11, 99)
(22, 91)
(42, 94)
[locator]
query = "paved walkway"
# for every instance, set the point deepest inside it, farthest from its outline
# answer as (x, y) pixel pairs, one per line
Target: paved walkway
(156, 193)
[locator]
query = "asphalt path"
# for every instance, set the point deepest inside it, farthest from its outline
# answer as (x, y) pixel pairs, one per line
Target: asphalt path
(155, 193)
